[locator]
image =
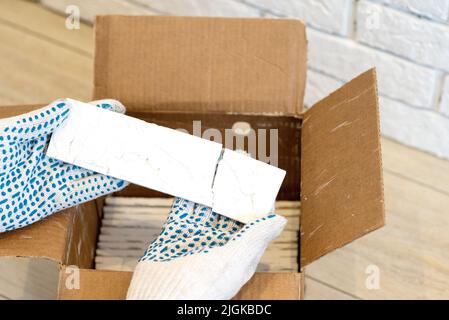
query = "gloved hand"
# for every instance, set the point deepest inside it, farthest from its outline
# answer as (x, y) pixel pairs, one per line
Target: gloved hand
(32, 185)
(201, 255)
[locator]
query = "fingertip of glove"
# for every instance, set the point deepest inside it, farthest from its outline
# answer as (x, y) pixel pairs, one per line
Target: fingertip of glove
(110, 104)
(60, 106)
(282, 220)
(49, 117)
(121, 184)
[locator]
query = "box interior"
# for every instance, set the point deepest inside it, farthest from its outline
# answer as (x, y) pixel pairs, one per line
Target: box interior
(287, 154)
(176, 70)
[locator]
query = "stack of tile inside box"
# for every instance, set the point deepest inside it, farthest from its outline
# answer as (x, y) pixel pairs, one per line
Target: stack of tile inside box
(282, 254)
(130, 224)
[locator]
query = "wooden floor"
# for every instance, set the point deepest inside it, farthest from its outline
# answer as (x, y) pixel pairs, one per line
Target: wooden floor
(42, 60)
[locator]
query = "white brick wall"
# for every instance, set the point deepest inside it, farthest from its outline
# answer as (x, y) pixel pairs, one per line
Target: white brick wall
(331, 16)
(407, 40)
(433, 9)
(215, 8)
(419, 40)
(444, 104)
(399, 79)
(90, 8)
(422, 129)
(319, 85)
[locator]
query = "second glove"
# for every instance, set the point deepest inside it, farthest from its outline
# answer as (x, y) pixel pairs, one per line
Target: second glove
(202, 255)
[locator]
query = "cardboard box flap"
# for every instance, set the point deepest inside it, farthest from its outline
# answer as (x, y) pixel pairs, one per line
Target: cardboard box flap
(12, 111)
(113, 285)
(341, 169)
(94, 284)
(43, 239)
(196, 64)
(67, 237)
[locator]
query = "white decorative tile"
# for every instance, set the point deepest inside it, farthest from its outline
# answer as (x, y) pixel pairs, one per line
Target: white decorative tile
(166, 160)
(244, 188)
(152, 156)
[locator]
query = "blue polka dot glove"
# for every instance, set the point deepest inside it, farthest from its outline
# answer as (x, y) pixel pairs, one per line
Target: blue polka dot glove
(33, 186)
(202, 255)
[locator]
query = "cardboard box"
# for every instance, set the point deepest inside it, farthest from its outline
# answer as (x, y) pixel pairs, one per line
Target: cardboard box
(173, 70)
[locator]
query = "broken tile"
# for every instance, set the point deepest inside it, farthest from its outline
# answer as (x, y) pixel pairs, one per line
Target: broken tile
(143, 153)
(166, 160)
(245, 189)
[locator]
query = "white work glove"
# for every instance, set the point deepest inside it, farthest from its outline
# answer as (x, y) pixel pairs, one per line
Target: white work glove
(202, 255)
(34, 186)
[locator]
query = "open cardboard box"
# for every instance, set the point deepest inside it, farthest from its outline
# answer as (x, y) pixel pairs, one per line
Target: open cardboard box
(174, 70)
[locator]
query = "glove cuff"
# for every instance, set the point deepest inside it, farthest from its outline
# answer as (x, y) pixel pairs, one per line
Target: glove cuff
(177, 279)
(217, 274)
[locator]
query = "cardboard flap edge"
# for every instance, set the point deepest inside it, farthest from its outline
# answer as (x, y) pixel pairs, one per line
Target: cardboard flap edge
(107, 285)
(341, 168)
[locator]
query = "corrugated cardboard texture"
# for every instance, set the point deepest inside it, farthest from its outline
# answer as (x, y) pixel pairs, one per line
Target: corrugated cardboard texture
(113, 285)
(82, 236)
(46, 238)
(273, 286)
(341, 169)
(95, 285)
(12, 111)
(201, 64)
(68, 237)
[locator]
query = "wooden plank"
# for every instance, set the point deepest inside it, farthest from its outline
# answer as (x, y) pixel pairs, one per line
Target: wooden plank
(410, 252)
(416, 165)
(41, 66)
(40, 72)
(316, 290)
(49, 26)
(28, 278)
(89, 8)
